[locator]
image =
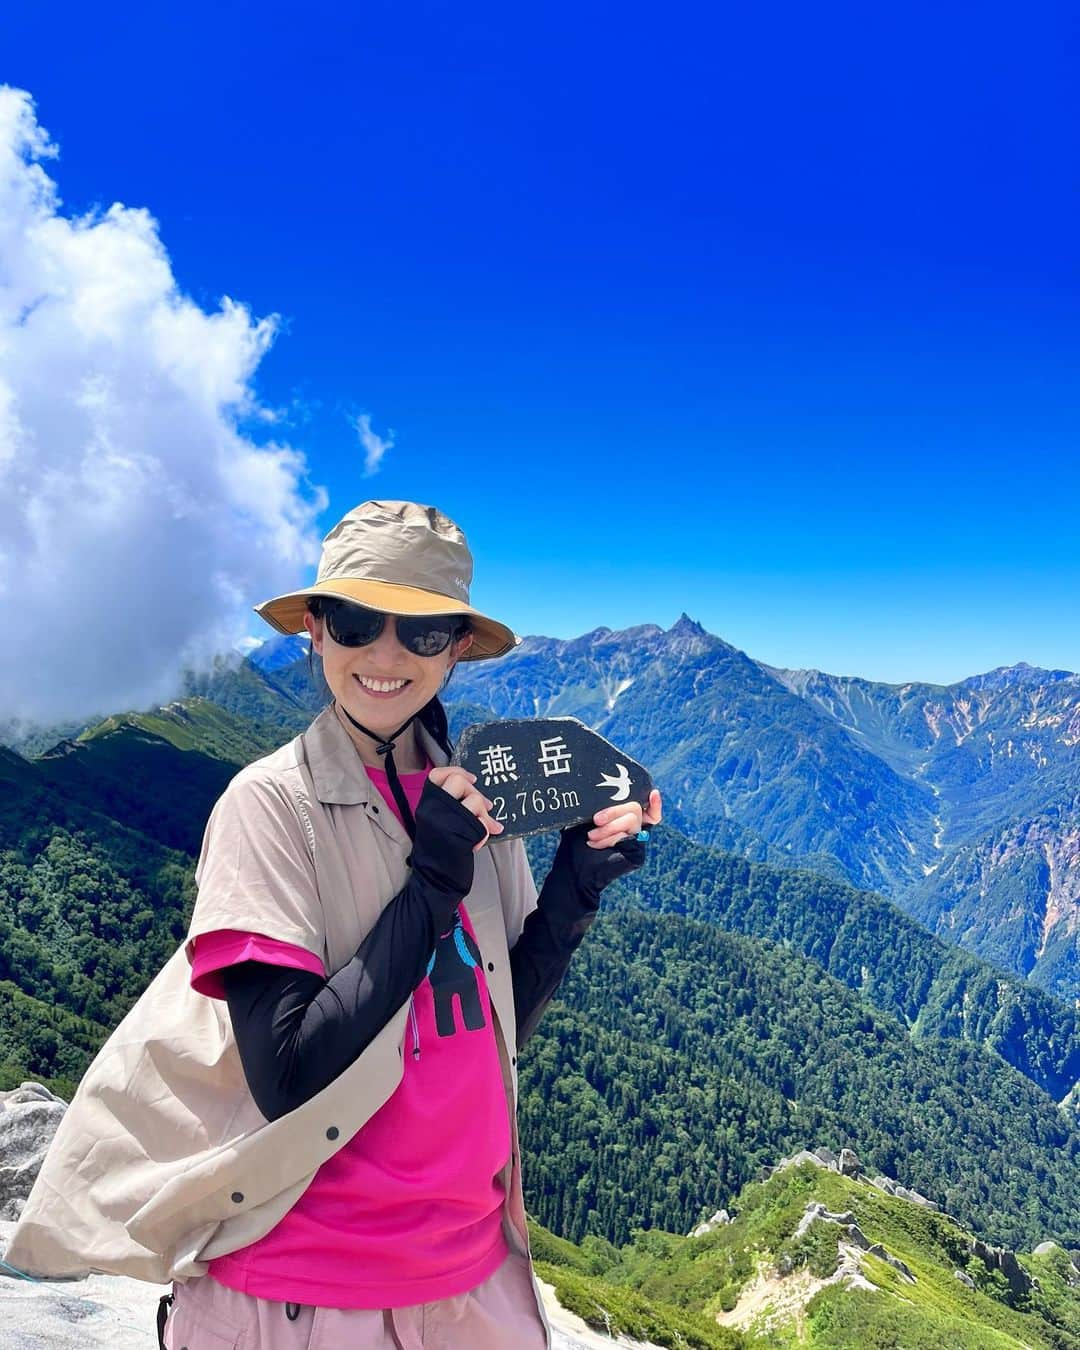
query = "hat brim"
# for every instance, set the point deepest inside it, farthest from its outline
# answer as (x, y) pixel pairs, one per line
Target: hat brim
(490, 639)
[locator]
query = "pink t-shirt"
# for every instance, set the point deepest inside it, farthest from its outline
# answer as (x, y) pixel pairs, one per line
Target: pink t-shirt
(409, 1210)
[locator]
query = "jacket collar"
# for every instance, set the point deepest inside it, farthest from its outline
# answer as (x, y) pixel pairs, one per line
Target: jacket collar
(336, 767)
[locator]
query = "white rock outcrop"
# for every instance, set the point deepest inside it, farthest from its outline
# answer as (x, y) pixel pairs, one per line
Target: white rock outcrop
(718, 1220)
(29, 1117)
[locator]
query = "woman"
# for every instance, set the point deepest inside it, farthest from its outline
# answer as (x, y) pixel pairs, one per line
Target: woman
(310, 1128)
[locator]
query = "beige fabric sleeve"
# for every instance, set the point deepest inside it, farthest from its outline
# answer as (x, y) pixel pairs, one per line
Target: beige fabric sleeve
(517, 889)
(256, 871)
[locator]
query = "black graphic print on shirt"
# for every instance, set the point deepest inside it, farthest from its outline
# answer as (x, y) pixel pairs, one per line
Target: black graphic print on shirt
(455, 958)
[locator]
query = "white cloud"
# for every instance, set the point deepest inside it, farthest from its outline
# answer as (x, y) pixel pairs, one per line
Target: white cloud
(375, 446)
(140, 524)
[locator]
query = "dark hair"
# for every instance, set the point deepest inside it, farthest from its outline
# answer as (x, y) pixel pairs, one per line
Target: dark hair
(314, 608)
(432, 715)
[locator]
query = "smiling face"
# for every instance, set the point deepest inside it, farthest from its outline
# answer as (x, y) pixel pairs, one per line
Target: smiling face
(383, 683)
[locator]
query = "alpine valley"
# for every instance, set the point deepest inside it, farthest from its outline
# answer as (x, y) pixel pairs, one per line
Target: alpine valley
(859, 927)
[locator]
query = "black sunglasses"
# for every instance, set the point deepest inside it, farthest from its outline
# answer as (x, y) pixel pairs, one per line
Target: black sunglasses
(423, 635)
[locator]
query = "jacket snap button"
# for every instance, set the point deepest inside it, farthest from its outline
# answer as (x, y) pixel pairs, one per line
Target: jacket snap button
(238, 1197)
(408, 861)
(374, 808)
(332, 1132)
(491, 965)
(513, 1059)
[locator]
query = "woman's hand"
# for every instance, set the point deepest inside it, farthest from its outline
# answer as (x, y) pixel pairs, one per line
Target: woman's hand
(624, 821)
(461, 785)
(597, 857)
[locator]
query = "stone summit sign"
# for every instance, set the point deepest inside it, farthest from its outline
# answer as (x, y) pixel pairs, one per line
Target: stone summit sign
(545, 773)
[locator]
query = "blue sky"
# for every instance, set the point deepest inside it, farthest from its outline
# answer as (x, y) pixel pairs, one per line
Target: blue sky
(768, 314)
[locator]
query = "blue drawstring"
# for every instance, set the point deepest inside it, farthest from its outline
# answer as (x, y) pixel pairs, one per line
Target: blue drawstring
(21, 1274)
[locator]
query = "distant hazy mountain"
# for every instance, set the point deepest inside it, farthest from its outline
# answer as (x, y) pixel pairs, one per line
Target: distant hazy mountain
(277, 652)
(282, 699)
(1001, 754)
(270, 685)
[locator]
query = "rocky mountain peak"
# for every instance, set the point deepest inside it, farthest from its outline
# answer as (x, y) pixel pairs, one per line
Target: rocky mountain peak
(685, 626)
(1022, 673)
(687, 638)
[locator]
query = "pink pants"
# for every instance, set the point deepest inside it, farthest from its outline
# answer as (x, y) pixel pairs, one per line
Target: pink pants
(499, 1314)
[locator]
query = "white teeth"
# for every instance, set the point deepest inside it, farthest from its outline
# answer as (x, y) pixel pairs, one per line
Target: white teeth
(381, 686)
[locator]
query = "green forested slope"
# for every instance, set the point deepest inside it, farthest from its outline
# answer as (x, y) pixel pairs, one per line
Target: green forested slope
(82, 933)
(41, 1040)
(194, 724)
(868, 944)
(679, 1059)
(90, 909)
(141, 780)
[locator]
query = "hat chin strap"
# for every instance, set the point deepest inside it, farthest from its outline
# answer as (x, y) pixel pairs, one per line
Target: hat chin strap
(384, 745)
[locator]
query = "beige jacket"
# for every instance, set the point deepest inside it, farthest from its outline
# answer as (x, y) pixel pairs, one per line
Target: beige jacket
(163, 1160)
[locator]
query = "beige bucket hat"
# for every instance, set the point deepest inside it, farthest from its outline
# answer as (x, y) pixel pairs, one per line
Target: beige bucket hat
(401, 558)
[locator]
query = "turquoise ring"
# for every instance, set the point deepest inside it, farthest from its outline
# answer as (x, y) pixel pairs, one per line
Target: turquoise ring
(642, 836)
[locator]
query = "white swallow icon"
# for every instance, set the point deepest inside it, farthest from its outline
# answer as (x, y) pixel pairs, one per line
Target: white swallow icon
(620, 782)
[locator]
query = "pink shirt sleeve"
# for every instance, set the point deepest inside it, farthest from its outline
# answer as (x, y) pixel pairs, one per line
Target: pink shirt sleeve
(229, 946)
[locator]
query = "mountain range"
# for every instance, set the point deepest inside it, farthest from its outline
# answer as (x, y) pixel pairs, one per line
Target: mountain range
(961, 803)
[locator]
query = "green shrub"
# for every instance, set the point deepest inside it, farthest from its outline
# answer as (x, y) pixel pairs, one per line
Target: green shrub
(817, 1249)
(555, 1251)
(615, 1310)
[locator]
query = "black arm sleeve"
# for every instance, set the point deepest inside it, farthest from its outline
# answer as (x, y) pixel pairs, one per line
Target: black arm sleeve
(295, 1031)
(566, 907)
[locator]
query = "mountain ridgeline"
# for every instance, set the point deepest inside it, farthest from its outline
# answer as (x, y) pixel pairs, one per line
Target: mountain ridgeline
(824, 1254)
